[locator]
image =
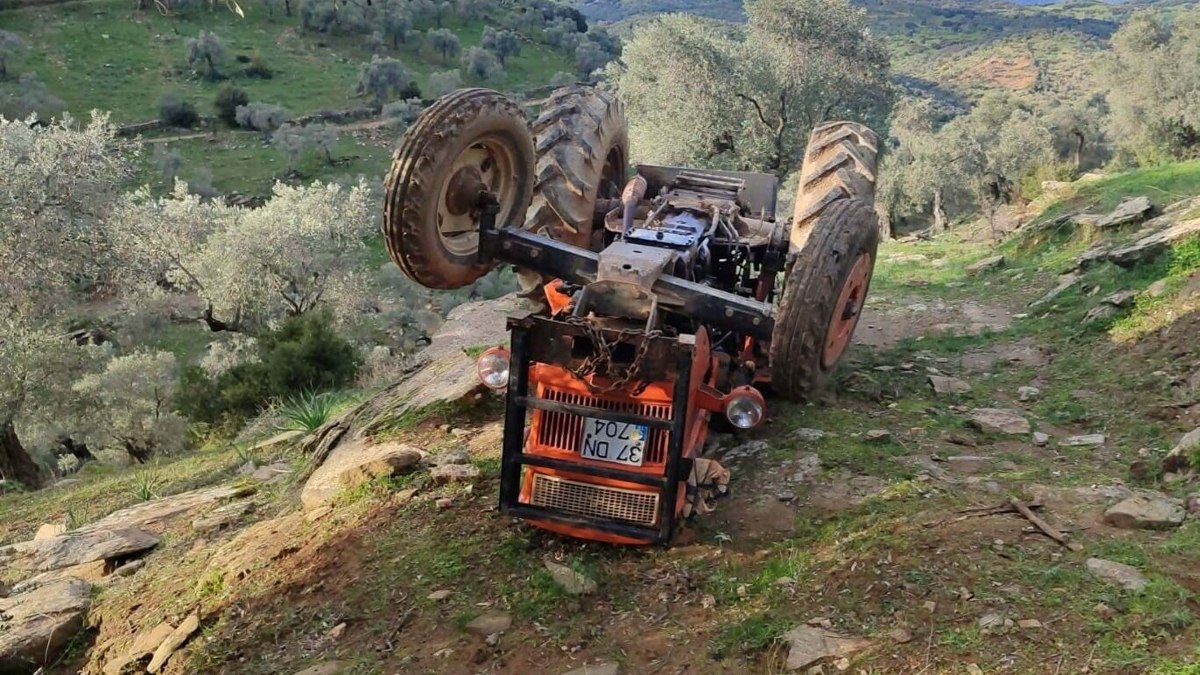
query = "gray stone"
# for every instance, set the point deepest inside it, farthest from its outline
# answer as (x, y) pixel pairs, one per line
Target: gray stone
(278, 439)
(878, 435)
(991, 621)
(1100, 312)
(1121, 574)
(943, 385)
(1120, 299)
(439, 595)
(985, 265)
(1065, 282)
(1132, 210)
(458, 455)
(1084, 441)
(608, 668)
(491, 623)
(173, 642)
(569, 580)
(999, 420)
(1192, 504)
(1146, 511)
(276, 472)
(153, 515)
(1179, 458)
(808, 435)
(77, 548)
(1040, 439)
(222, 517)
(809, 644)
(1153, 244)
(1028, 393)
(355, 463)
(35, 627)
(453, 473)
(969, 463)
(129, 569)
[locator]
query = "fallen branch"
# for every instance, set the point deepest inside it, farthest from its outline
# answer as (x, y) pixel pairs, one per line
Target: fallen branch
(979, 511)
(1042, 525)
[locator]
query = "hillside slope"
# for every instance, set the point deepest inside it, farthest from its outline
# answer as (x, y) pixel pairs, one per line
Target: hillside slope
(881, 514)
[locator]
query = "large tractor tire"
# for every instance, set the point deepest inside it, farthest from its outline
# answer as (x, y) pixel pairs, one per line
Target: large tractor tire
(839, 163)
(582, 143)
(468, 141)
(835, 237)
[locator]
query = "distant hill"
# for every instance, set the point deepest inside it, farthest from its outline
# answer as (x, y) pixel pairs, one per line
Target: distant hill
(954, 50)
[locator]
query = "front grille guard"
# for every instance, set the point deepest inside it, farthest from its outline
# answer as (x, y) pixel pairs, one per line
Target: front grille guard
(525, 349)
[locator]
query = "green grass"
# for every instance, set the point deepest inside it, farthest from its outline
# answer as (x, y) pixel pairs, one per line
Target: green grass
(1164, 185)
(100, 55)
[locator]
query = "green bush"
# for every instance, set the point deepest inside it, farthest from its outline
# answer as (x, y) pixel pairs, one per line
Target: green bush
(176, 112)
(227, 102)
(1031, 183)
(304, 354)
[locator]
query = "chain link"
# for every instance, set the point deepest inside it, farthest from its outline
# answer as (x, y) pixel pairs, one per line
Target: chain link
(601, 360)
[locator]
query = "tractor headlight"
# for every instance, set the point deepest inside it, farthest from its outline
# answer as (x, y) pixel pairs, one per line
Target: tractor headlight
(745, 407)
(493, 368)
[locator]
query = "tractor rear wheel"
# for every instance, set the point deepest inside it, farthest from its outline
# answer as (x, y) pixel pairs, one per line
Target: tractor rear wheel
(839, 163)
(835, 236)
(469, 141)
(582, 144)
(822, 299)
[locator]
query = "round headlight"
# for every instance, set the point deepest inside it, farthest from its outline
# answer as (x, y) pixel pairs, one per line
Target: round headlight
(745, 407)
(493, 368)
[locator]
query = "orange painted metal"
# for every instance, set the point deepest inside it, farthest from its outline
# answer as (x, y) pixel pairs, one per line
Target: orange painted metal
(841, 326)
(558, 435)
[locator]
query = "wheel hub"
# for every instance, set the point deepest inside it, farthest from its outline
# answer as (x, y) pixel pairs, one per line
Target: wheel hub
(850, 299)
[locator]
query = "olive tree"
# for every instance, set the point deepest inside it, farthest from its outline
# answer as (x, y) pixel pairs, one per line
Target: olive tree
(482, 64)
(443, 82)
(397, 22)
(502, 43)
(1152, 89)
(444, 42)
(206, 50)
(129, 405)
(381, 79)
(58, 184)
(291, 140)
(302, 250)
(264, 117)
(747, 97)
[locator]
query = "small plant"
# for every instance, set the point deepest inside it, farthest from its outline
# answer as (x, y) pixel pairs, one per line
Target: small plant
(146, 485)
(258, 68)
(308, 411)
(68, 464)
(227, 102)
(176, 112)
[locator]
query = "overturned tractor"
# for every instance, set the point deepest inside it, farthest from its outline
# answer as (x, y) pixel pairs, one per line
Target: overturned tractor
(666, 298)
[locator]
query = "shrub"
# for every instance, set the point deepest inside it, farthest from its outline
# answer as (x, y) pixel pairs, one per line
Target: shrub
(309, 410)
(227, 102)
(1031, 182)
(258, 68)
(176, 112)
(304, 354)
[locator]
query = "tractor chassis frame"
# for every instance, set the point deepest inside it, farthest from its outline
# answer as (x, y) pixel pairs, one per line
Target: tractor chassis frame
(708, 306)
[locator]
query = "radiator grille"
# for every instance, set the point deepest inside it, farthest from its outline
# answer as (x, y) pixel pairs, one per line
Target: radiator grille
(563, 431)
(588, 499)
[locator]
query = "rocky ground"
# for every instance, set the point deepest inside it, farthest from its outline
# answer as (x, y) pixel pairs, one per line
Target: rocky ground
(996, 484)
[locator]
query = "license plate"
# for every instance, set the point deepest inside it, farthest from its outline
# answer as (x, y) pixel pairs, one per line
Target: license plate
(616, 442)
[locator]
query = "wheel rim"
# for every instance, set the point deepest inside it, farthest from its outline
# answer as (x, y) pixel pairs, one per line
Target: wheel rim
(489, 163)
(612, 178)
(847, 310)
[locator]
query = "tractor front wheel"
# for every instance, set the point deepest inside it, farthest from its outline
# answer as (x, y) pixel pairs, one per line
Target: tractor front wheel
(823, 298)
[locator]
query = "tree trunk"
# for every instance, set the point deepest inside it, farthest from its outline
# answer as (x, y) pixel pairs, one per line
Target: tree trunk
(216, 325)
(940, 220)
(138, 454)
(886, 231)
(287, 7)
(15, 462)
(1078, 149)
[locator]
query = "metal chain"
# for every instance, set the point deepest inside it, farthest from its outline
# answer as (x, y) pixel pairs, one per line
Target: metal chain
(601, 356)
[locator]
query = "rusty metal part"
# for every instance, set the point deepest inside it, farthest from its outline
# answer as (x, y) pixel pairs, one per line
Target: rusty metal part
(635, 191)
